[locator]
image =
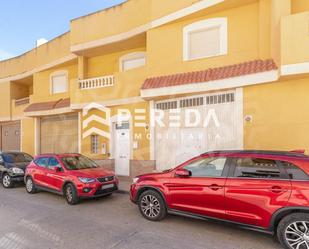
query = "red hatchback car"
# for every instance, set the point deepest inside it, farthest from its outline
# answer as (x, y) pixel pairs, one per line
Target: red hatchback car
(72, 175)
(262, 190)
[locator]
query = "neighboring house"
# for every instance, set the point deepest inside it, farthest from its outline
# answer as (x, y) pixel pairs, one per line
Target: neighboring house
(248, 60)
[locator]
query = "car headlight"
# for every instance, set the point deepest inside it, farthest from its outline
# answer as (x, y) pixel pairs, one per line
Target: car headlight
(17, 171)
(135, 180)
(86, 179)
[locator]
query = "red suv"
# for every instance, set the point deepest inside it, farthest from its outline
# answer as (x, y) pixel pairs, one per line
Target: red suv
(72, 175)
(262, 190)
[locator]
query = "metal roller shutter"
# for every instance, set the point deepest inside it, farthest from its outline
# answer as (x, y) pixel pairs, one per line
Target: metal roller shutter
(59, 134)
(10, 136)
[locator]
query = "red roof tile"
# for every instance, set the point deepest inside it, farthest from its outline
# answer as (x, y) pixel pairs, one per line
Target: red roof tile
(246, 68)
(46, 106)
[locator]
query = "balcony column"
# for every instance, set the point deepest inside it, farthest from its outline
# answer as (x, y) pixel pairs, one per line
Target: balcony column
(82, 67)
(279, 9)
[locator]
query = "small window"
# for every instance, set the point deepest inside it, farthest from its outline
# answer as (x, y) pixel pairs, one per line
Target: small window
(53, 162)
(42, 162)
(205, 38)
(59, 83)
(294, 172)
(95, 144)
(133, 60)
(256, 168)
(207, 167)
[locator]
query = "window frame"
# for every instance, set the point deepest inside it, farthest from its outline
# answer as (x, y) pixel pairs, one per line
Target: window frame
(132, 56)
(221, 23)
(283, 174)
(225, 170)
(95, 141)
(55, 74)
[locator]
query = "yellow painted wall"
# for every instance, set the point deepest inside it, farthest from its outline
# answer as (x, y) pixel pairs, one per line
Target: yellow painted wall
(107, 64)
(295, 38)
(28, 135)
(5, 100)
(41, 84)
(114, 20)
(165, 44)
(300, 6)
(44, 54)
(143, 151)
(280, 115)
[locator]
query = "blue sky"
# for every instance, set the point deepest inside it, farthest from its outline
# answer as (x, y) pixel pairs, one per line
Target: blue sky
(22, 22)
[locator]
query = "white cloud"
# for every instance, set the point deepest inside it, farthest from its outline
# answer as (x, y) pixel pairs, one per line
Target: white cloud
(5, 55)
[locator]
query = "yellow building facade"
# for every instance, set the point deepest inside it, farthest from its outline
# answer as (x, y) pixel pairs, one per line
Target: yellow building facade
(125, 85)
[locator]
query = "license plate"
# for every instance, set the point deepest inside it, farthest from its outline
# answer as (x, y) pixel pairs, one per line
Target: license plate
(107, 186)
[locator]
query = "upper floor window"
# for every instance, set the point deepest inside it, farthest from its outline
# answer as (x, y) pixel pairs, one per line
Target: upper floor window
(132, 60)
(59, 82)
(205, 39)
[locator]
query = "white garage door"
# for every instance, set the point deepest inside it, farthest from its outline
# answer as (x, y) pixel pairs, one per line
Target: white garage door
(59, 134)
(196, 125)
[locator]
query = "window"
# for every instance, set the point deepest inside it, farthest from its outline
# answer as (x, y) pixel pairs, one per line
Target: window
(294, 172)
(53, 162)
(133, 60)
(207, 167)
(205, 39)
(59, 82)
(256, 168)
(95, 144)
(42, 162)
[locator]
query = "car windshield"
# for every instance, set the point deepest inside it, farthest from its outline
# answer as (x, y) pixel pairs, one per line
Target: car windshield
(78, 162)
(17, 157)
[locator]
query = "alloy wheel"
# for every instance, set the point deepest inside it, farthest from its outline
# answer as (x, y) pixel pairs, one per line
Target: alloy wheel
(297, 235)
(150, 206)
(69, 193)
(29, 185)
(6, 181)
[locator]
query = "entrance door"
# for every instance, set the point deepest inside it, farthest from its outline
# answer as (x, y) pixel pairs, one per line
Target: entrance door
(10, 136)
(122, 149)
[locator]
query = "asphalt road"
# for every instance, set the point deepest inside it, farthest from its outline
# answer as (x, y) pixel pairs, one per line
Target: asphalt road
(45, 220)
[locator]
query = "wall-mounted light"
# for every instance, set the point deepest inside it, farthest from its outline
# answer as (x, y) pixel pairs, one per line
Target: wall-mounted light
(249, 118)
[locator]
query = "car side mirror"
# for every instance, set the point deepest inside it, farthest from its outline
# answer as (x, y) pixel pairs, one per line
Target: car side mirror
(183, 173)
(57, 169)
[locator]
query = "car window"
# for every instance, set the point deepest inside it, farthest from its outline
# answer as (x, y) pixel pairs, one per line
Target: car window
(53, 162)
(16, 157)
(207, 167)
(256, 168)
(42, 162)
(294, 172)
(78, 163)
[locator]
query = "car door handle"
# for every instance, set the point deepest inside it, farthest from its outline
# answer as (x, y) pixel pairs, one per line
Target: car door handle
(215, 187)
(277, 189)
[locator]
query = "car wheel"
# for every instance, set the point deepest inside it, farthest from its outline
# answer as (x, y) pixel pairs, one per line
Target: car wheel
(7, 181)
(70, 194)
(152, 205)
(30, 186)
(293, 231)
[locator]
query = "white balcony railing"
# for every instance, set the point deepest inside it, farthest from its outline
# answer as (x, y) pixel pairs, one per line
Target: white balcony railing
(105, 81)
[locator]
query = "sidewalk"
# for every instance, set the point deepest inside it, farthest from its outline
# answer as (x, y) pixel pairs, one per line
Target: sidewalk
(124, 184)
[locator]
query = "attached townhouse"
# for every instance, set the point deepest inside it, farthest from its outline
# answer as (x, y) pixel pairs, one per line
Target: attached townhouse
(242, 64)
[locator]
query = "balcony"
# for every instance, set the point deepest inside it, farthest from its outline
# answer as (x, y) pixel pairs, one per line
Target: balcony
(23, 101)
(94, 83)
(295, 39)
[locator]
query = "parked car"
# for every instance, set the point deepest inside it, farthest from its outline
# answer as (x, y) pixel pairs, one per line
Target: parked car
(72, 175)
(12, 167)
(266, 191)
